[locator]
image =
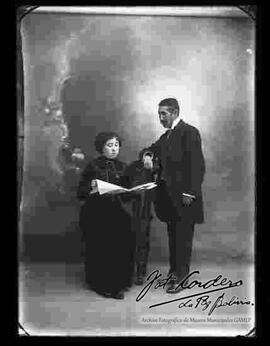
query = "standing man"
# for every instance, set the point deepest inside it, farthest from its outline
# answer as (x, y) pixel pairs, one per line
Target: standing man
(178, 197)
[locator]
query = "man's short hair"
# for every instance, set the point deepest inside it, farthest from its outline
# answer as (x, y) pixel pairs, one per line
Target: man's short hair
(103, 137)
(170, 102)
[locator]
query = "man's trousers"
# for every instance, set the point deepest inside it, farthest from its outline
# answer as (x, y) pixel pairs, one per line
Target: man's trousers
(180, 237)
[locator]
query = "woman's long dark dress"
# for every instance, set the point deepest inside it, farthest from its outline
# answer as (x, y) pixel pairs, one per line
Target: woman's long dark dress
(106, 226)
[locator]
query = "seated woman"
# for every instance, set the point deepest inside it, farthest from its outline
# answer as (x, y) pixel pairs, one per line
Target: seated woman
(106, 223)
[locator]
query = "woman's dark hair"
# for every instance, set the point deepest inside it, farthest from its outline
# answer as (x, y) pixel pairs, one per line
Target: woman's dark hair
(103, 137)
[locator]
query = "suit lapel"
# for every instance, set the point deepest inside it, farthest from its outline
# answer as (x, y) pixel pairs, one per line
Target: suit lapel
(170, 143)
(176, 131)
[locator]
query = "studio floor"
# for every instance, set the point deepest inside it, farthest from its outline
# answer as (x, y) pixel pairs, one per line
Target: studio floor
(53, 300)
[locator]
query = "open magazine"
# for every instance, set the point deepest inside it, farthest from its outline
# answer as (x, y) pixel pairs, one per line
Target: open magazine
(104, 187)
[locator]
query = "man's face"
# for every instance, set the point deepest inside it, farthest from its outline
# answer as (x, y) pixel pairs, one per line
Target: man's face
(166, 116)
(111, 148)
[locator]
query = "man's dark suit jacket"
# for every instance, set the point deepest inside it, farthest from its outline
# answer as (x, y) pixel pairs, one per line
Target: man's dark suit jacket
(182, 169)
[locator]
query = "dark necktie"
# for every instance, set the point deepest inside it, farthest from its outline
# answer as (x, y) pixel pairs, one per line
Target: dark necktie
(168, 133)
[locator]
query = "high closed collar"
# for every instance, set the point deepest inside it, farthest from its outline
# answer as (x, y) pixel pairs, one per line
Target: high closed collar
(104, 161)
(175, 122)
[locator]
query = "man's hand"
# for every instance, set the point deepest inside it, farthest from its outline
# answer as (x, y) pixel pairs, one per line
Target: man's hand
(148, 162)
(187, 200)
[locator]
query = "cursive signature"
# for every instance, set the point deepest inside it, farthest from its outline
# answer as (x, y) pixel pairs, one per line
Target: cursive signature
(156, 282)
(206, 303)
(218, 283)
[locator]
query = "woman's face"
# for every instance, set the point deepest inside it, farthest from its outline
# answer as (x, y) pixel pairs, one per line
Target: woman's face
(111, 148)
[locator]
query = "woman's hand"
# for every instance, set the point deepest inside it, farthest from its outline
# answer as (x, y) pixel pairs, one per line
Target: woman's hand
(94, 186)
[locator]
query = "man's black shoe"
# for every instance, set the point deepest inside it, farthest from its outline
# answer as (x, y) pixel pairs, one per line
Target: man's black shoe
(174, 287)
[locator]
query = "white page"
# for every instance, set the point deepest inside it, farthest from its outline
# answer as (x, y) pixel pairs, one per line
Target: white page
(105, 187)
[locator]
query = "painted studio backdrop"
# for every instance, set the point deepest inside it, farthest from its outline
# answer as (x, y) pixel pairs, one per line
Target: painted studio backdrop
(86, 74)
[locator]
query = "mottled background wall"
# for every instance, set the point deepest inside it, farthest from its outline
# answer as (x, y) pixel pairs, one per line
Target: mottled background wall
(117, 69)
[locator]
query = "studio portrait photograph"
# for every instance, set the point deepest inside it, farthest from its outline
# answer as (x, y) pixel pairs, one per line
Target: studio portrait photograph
(136, 171)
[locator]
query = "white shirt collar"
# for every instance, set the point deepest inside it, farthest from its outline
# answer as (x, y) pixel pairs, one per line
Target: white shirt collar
(175, 122)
